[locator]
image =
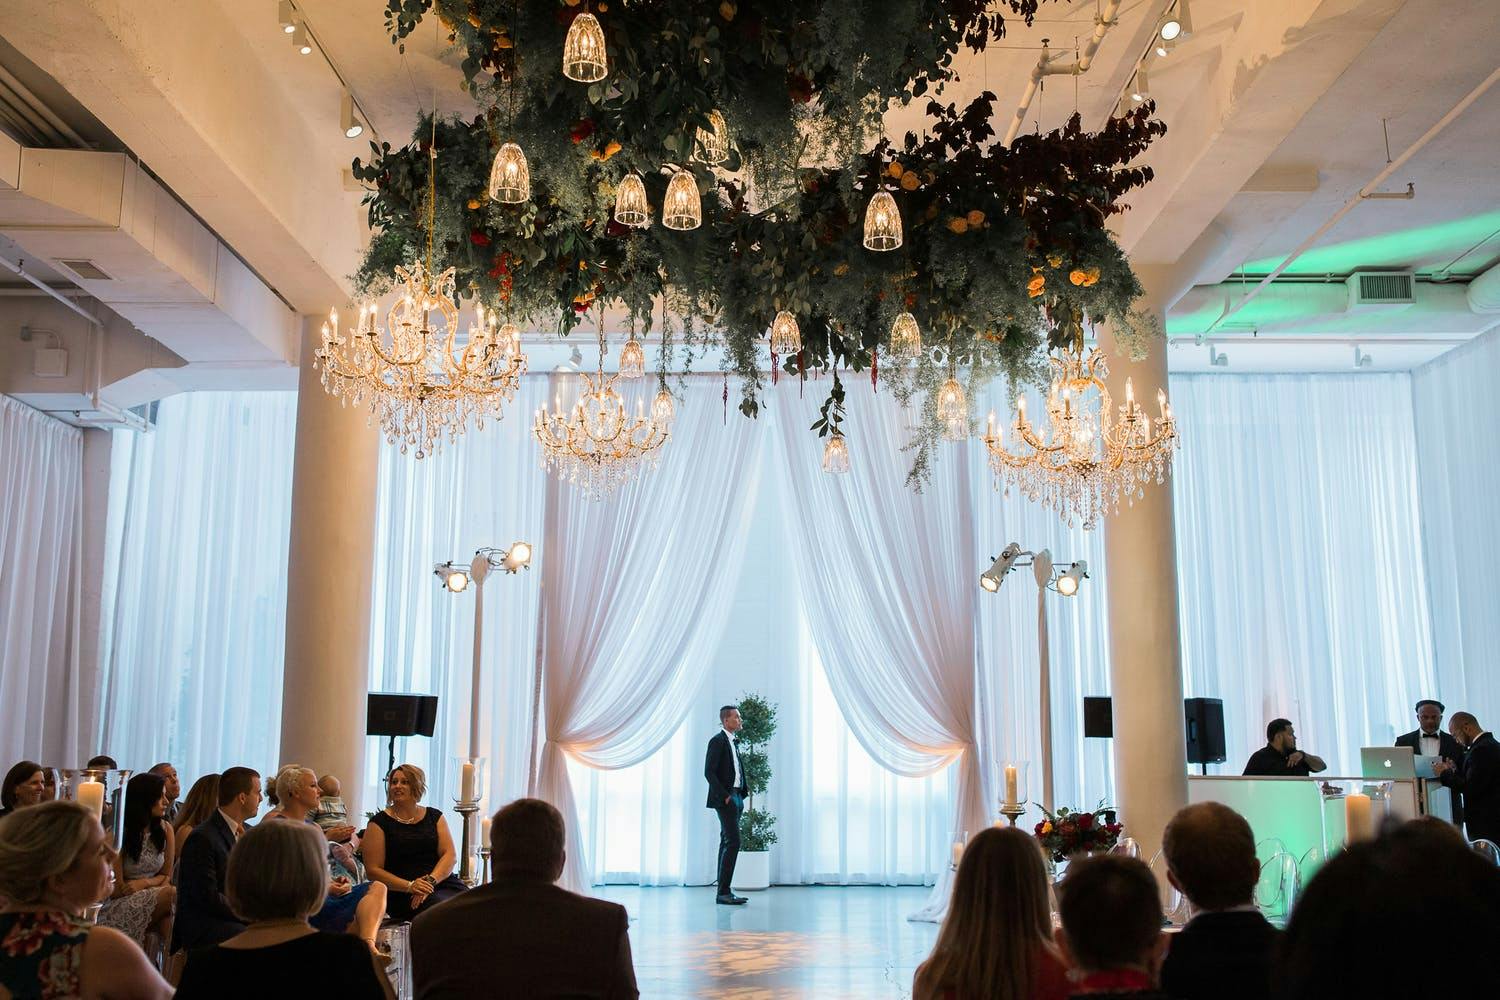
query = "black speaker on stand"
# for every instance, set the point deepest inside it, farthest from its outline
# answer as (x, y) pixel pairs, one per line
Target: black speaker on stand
(389, 714)
(1203, 726)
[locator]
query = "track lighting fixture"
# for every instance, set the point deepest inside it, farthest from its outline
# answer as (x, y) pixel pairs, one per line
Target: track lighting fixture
(300, 40)
(1140, 88)
(286, 14)
(348, 120)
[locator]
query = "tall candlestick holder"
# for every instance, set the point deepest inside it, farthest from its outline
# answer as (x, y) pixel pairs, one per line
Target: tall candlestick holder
(484, 860)
(466, 856)
(1012, 811)
(471, 785)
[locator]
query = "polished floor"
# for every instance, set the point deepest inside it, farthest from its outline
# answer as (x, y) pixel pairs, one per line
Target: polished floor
(789, 941)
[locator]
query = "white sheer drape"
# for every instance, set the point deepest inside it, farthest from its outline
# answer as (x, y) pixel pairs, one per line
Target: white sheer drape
(1300, 558)
(635, 591)
(43, 692)
(890, 607)
(1458, 433)
(196, 640)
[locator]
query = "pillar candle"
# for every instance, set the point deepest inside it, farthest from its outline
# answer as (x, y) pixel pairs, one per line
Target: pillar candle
(1010, 784)
(1358, 820)
(467, 783)
(484, 834)
(958, 852)
(91, 794)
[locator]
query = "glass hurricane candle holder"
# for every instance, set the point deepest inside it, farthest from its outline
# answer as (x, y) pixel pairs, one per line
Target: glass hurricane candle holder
(471, 780)
(1011, 776)
(102, 790)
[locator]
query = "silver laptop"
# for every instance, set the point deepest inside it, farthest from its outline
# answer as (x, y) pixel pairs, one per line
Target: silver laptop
(1389, 763)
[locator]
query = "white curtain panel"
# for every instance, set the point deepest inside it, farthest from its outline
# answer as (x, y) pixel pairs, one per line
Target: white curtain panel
(635, 593)
(483, 491)
(888, 606)
(43, 691)
(198, 577)
(1457, 420)
(1300, 568)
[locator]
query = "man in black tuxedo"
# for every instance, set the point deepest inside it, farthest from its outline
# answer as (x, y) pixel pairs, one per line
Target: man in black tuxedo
(1429, 740)
(726, 796)
(1478, 777)
(203, 914)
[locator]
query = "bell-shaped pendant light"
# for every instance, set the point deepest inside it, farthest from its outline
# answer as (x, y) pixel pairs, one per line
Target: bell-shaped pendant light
(683, 207)
(953, 410)
(712, 145)
(632, 359)
(631, 208)
(510, 178)
(882, 223)
(906, 337)
(836, 455)
(663, 410)
(583, 50)
(786, 338)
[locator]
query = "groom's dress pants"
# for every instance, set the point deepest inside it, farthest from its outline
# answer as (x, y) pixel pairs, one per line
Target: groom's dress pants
(729, 839)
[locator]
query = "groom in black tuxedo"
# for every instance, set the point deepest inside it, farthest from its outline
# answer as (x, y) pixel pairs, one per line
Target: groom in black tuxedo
(726, 796)
(1429, 740)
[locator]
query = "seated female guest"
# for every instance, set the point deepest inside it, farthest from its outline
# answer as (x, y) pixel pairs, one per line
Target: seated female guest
(352, 906)
(277, 878)
(143, 896)
(996, 942)
(201, 803)
(24, 785)
(408, 847)
(55, 862)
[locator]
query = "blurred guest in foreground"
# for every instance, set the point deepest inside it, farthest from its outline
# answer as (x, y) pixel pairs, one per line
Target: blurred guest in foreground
(1339, 941)
(1111, 927)
(1225, 950)
(996, 941)
(278, 876)
(522, 936)
(55, 862)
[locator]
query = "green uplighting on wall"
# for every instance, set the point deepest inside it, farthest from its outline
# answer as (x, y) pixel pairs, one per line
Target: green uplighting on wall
(1423, 248)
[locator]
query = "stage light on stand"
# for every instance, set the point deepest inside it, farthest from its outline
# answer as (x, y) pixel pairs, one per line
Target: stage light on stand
(517, 557)
(991, 578)
(1067, 583)
(454, 577)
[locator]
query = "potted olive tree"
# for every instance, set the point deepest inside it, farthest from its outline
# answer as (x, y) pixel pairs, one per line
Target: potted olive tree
(757, 826)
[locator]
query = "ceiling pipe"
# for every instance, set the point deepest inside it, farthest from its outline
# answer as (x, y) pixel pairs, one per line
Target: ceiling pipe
(1365, 340)
(48, 290)
(1364, 193)
(1050, 65)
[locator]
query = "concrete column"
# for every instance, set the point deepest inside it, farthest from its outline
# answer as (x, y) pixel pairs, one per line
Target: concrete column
(97, 446)
(329, 567)
(1145, 650)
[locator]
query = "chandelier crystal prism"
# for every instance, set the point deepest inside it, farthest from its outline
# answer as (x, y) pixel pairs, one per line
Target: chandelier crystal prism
(584, 59)
(1089, 454)
(598, 447)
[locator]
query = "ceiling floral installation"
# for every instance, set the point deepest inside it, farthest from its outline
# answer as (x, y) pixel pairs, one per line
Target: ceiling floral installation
(728, 161)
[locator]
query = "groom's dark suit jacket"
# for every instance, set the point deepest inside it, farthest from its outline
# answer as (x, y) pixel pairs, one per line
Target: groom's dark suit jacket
(718, 768)
(1479, 780)
(1448, 749)
(203, 914)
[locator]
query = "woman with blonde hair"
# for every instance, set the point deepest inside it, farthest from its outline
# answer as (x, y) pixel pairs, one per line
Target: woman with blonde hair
(996, 942)
(277, 879)
(54, 863)
(202, 802)
(409, 848)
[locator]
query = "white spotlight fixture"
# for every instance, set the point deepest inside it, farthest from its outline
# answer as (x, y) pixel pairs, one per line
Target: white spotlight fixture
(991, 578)
(1361, 359)
(1140, 89)
(1067, 583)
(300, 41)
(517, 557)
(453, 576)
(286, 14)
(1170, 28)
(348, 120)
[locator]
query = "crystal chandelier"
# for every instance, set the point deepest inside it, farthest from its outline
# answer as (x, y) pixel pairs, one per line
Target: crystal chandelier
(598, 447)
(423, 382)
(1090, 454)
(583, 50)
(683, 207)
(882, 223)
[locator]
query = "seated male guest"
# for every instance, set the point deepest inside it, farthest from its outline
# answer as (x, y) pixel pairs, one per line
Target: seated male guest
(1478, 778)
(521, 935)
(173, 790)
(1225, 950)
(1111, 927)
(1280, 758)
(1429, 740)
(204, 916)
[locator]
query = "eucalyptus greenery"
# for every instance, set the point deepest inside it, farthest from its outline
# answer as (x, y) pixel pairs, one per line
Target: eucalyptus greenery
(1006, 252)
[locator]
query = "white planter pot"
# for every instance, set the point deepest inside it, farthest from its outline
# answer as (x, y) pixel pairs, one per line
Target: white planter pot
(753, 871)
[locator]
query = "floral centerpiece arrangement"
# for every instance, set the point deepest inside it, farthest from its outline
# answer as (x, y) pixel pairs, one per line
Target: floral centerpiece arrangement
(1067, 833)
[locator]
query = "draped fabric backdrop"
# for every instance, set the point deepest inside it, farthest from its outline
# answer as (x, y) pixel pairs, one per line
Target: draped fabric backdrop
(198, 584)
(44, 692)
(890, 606)
(1457, 419)
(635, 593)
(1300, 558)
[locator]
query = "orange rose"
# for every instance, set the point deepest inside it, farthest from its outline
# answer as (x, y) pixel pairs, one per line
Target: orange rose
(727, 10)
(1036, 286)
(909, 181)
(975, 217)
(958, 225)
(1090, 277)
(1054, 260)
(841, 270)
(1077, 277)
(895, 170)
(473, 203)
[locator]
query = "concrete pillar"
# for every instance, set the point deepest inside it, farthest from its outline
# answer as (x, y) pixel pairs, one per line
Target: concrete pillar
(1145, 649)
(329, 566)
(94, 509)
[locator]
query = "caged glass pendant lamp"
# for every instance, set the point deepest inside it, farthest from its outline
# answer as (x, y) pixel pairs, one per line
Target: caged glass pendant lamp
(836, 455)
(510, 177)
(631, 207)
(712, 144)
(584, 59)
(882, 223)
(906, 337)
(786, 337)
(682, 209)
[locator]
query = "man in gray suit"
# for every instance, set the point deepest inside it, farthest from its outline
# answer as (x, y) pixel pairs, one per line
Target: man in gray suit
(521, 935)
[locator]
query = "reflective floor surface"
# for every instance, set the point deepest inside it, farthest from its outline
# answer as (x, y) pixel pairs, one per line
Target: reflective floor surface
(788, 941)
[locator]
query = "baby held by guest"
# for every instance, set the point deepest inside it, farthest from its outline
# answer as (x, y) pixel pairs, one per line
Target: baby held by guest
(332, 815)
